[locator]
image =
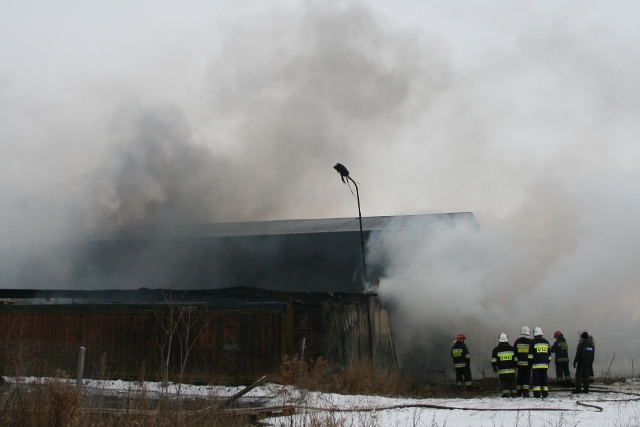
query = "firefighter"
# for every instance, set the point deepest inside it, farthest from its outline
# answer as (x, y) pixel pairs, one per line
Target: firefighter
(561, 349)
(461, 362)
(503, 361)
(522, 354)
(585, 353)
(539, 358)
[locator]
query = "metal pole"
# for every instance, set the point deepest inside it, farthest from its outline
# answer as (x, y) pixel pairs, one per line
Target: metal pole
(80, 367)
(364, 263)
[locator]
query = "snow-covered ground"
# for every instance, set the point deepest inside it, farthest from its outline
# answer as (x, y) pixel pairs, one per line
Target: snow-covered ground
(616, 405)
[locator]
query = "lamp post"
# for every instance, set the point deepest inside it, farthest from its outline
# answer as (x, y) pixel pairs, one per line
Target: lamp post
(344, 175)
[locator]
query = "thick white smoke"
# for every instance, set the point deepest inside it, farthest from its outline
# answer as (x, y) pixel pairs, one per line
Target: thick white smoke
(578, 272)
(525, 115)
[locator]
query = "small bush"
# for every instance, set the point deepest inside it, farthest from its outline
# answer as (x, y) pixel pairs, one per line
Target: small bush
(362, 378)
(47, 403)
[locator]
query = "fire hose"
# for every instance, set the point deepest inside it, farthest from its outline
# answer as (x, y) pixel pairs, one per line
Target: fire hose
(289, 409)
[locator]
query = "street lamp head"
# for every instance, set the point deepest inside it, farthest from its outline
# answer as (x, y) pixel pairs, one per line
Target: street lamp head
(344, 173)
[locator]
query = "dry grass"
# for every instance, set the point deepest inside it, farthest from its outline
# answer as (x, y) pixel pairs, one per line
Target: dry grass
(56, 403)
(362, 378)
(48, 403)
(365, 379)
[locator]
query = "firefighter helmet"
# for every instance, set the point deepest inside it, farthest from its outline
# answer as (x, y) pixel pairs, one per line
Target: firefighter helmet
(556, 334)
(461, 337)
(525, 332)
(537, 331)
(503, 337)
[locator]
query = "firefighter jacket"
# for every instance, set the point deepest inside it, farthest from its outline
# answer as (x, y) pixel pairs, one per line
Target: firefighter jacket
(539, 354)
(460, 355)
(561, 349)
(585, 353)
(522, 351)
(503, 360)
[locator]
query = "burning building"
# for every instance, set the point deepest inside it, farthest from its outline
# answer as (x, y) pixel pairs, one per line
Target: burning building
(254, 292)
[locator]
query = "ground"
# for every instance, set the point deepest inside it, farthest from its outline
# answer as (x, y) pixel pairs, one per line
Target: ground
(616, 405)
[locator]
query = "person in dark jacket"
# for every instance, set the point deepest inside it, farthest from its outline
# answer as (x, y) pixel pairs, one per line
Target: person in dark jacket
(461, 362)
(523, 377)
(503, 361)
(583, 362)
(539, 358)
(561, 350)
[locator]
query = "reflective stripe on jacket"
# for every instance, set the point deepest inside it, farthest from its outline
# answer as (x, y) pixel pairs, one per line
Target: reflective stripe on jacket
(503, 358)
(539, 354)
(460, 355)
(561, 349)
(522, 351)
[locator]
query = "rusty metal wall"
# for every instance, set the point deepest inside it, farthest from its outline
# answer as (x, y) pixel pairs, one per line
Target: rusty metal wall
(131, 340)
(307, 325)
(359, 330)
(123, 341)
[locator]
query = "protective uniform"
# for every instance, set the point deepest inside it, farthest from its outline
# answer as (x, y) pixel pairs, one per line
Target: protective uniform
(561, 349)
(585, 354)
(461, 362)
(539, 358)
(523, 377)
(503, 361)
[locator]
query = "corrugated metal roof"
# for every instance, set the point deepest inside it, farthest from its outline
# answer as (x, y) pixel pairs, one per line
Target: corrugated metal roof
(268, 228)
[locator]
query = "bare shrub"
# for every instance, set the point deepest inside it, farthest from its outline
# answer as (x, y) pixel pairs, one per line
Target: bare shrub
(362, 378)
(48, 403)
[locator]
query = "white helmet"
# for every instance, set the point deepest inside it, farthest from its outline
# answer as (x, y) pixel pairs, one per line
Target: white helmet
(525, 332)
(537, 332)
(503, 337)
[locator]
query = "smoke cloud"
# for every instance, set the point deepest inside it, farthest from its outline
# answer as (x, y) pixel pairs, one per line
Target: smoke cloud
(484, 281)
(529, 123)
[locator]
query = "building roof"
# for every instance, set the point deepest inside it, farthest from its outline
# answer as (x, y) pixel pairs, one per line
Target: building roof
(271, 228)
(308, 255)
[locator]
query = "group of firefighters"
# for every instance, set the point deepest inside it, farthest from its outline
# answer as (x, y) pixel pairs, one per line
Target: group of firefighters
(524, 365)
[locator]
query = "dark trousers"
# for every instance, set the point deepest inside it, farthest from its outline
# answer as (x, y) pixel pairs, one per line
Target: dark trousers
(508, 386)
(523, 380)
(562, 371)
(463, 376)
(540, 382)
(583, 371)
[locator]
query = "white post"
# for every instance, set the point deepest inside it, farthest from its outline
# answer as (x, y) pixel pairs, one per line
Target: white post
(80, 367)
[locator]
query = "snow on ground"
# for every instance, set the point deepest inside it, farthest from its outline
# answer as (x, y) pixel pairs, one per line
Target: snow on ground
(617, 405)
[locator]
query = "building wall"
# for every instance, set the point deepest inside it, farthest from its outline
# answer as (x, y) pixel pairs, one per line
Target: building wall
(219, 343)
(120, 340)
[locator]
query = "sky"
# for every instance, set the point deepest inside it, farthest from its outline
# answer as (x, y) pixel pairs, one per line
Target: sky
(526, 114)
